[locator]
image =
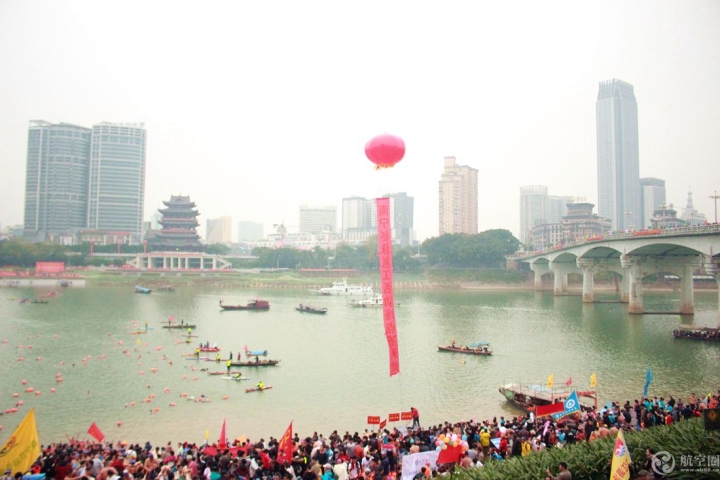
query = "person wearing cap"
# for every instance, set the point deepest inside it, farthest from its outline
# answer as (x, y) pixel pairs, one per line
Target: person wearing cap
(563, 475)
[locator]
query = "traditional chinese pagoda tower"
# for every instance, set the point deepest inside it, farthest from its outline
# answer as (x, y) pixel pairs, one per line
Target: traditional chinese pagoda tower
(179, 226)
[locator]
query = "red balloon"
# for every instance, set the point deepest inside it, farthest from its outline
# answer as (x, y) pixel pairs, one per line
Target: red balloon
(385, 150)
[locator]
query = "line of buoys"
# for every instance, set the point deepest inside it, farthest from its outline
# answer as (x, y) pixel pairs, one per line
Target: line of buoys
(11, 410)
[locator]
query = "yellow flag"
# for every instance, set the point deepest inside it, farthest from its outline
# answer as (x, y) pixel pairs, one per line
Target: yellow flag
(593, 381)
(551, 381)
(207, 434)
(620, 467)
(22, 448)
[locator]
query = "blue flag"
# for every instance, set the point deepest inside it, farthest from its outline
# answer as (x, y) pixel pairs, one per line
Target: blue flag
(571, 405)
(648, 381)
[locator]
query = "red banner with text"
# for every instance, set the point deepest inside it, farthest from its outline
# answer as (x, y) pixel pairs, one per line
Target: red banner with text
(373, 420)
(386, 282)
(406, 416)
(393, 417)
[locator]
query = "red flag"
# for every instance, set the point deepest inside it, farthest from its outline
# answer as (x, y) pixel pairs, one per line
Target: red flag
(95, 432)
(542, 410)
(382, 424)
(450, 454)
(222, 444)
(285, 447)
(386, 282)
(569, 382)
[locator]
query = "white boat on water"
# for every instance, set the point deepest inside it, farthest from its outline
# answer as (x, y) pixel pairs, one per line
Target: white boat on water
(343, 288)
(376, 301)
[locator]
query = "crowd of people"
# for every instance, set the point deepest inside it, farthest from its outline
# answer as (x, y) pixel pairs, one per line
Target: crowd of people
(700, 334)
(363, 456)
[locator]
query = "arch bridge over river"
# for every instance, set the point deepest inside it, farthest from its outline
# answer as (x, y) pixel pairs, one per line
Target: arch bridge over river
(682, 252)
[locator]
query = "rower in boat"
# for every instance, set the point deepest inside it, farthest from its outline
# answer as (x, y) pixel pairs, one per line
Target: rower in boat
(260, 385)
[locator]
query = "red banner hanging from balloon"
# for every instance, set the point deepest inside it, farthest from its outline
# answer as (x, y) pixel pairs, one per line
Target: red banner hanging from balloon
(386, 282)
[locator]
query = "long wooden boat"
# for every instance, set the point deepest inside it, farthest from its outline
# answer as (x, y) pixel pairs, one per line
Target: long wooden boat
(259, 363)
(180, 326)
(224, 372)
(252, 305)
(528, 396)
(705, 334)
(236, 379)
(311, 309)
(477, 348)
(209, 349)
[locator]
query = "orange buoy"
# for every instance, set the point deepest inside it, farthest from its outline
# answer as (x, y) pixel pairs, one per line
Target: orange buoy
(29, 390)
(183, 394)
(195, 378)
(154, 369)
(59, 379)
(37, 392)
(132, 404)
(24, 382)
(166, 390)
(38, 359)
(156, 409)
(184, 377)
(119, 424)
(52, 390)
(20, 403)
(172, 404)
(225, 397)
(62, 363)
(141, 372)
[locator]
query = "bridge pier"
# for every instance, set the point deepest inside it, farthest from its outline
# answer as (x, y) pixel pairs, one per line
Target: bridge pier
(539, 269)
(687, 297)
(712, 267)
(633, 267)
(560, 272)
(588, 269)
(625, 286)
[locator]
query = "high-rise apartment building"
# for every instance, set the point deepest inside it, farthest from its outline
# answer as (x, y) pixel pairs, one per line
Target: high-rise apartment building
(401, 218)
(116, 190)
(618, 165)
(533, 210)
(558, 207)
(218, 230)
(653, 196)
(250, 231)
(458, 203)
(56, 183)
(359, 218)
(318, 219)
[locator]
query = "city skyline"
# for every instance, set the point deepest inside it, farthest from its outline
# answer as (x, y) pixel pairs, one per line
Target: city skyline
(285, 124)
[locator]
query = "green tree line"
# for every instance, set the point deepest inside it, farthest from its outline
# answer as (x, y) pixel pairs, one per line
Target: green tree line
(483, 250)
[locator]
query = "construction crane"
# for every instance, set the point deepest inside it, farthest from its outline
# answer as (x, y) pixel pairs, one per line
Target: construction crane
(281, 229)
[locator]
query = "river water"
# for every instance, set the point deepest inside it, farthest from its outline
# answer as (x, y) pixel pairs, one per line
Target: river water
(334, 368)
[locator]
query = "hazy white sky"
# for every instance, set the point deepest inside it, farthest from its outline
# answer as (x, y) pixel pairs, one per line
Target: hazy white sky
(254, 108)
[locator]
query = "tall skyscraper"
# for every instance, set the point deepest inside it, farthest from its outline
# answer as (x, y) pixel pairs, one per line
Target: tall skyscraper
(318, 219)
(557, 207)
(117, 178)
(533, 210)
(458, 205)
(56, 184)
(653, 196)
(618, 166)
(218, 230)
